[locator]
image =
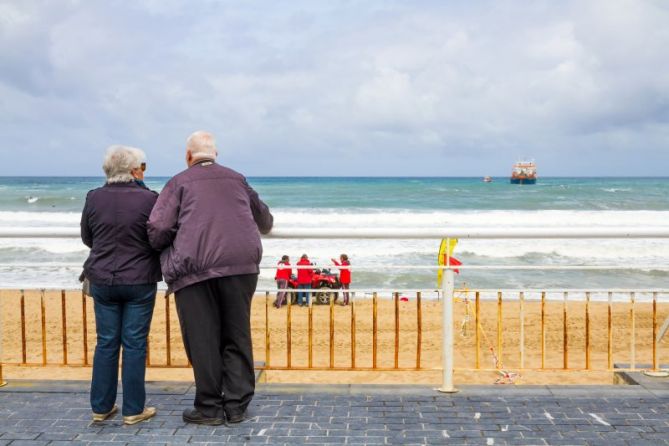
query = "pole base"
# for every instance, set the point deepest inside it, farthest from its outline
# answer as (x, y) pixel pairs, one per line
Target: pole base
(3, 383)
(656, 373)
(445, 390)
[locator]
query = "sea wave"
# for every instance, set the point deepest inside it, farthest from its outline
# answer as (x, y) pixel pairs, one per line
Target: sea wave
(352, 217)
(378, 217)
(376, 259)
(39, 219)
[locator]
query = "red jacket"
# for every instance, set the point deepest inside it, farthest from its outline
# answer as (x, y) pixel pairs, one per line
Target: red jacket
(304, 275)
(283, 273)
(344, 274)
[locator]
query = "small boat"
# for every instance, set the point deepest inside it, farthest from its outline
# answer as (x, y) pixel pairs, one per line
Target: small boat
(524, 172)
(487, 179)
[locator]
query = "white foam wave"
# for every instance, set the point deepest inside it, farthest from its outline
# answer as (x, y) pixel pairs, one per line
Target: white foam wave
(616, 189)
(39, 219)
(380, 252)
(494, 218)
(389, 251)
(333, 217)
(55, 246)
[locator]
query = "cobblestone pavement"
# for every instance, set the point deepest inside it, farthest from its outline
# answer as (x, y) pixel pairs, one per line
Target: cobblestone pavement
(58, 413)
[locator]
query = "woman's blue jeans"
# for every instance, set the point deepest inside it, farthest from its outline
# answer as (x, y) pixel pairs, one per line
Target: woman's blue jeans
(122, 318)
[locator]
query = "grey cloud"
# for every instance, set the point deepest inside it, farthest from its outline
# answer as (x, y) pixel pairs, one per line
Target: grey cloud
(383, 87)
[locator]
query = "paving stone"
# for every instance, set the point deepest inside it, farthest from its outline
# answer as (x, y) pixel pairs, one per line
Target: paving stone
(644, 442)
(19, 435)
(64, 443)
(30, 442)
(176, 439)
(53, 436)
(533, 441)
(152, 443)
(347, 416)
(97, 437)
(374, 440)
(201, 438)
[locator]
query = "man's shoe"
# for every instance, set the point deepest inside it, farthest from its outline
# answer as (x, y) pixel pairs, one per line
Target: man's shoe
(145, 415)
(196, 417)
(104, 416)
(236, 417)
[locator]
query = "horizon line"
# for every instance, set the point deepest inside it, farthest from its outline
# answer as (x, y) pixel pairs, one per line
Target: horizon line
(365, 176)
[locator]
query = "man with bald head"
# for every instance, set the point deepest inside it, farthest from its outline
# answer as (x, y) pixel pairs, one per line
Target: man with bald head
(207, 223)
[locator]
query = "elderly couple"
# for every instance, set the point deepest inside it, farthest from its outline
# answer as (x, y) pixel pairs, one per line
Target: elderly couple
(202, 233)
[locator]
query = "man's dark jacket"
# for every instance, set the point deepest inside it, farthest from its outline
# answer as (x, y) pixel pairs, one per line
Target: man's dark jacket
(113, 225)
(206, 222)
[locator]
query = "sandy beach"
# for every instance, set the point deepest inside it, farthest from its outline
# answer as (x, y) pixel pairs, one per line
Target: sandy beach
(71, 344)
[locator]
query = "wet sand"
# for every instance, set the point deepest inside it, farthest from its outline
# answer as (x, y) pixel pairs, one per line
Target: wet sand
(402, 349)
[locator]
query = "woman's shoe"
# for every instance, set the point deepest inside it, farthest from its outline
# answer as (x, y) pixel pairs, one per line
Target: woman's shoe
(145, 415)
(104, 416)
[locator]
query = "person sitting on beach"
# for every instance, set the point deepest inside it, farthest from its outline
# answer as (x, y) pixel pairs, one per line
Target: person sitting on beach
(123, 271)
(282, 277)
(344, 275)
(304, 280)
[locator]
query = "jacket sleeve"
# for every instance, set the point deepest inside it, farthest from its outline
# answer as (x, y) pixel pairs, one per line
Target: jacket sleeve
(162, 224)
(86, 232)
(261, 214)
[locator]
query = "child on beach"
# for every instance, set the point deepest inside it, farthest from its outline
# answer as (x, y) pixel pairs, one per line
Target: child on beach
(344, 275)
(282, 277)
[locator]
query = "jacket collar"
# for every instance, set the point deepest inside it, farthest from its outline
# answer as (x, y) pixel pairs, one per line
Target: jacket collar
(206, 161)
(124, 184)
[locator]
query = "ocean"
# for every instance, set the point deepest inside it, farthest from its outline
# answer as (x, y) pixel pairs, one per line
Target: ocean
(388, 202)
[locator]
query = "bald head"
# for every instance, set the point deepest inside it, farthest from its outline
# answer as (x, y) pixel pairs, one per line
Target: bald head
(200, 145)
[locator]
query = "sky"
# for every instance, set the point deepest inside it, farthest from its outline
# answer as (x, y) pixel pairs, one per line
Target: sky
(338, 88)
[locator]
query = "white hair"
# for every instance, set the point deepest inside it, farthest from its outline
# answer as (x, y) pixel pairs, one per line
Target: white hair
(119, 161)
(201, 144)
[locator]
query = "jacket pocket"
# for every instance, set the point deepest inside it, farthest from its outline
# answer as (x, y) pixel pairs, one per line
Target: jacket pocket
(169, 260)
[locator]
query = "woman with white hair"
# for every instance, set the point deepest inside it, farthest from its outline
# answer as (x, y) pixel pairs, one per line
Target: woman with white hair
(123, 272)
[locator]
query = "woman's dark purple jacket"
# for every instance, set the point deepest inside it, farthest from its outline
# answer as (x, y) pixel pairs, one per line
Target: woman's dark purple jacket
(113, 225)
(207, 223)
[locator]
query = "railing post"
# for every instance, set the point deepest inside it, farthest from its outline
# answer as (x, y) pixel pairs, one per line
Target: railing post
(448, 285)
(2, 382)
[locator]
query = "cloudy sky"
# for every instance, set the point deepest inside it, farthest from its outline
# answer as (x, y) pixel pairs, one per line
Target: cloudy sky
(338, 87)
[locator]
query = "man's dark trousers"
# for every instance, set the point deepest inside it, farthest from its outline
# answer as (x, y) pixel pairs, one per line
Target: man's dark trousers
(215, 324)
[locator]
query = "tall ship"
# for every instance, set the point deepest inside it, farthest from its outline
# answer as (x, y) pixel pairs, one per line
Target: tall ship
(524, 172)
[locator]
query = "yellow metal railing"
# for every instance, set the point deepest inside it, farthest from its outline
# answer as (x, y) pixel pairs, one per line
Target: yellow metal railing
(52, 329)
(351, 315)
(56, 328)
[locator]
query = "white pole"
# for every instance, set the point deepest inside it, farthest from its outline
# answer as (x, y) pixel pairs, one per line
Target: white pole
(448, 286)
